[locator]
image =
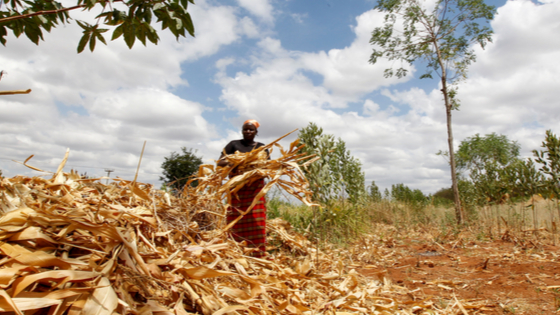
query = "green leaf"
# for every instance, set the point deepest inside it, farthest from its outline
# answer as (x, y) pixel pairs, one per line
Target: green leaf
(189, 24)
(83, 24)
(42, 19)
(158, 6)
(83, 42)
(100, 37)
(141, 34)
(118, 32)
(92, 43)
(152, 34)
(33, 33)
(129, 36)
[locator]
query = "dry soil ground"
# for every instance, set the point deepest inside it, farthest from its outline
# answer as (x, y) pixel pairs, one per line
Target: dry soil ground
(505, 276)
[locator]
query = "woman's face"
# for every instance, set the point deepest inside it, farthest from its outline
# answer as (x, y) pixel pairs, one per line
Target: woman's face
(249, 132)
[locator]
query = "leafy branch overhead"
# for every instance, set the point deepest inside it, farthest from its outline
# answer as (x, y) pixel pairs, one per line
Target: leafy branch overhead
(130, 20)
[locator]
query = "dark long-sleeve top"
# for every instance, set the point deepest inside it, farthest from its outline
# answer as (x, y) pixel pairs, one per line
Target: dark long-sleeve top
(241, 146)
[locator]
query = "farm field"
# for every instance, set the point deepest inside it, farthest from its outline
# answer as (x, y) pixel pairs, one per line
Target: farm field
(65, 252)
(72, 245)
(503, 276)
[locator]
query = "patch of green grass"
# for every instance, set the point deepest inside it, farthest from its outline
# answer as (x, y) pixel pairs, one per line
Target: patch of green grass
(339, 223)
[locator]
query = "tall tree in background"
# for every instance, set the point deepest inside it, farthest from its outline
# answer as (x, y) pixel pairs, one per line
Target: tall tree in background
(177, 168)
(131, 19)
(374, 192)
(337, 173)
(442, 38)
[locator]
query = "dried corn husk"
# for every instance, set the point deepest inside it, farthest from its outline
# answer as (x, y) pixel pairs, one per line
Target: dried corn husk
(70, 245)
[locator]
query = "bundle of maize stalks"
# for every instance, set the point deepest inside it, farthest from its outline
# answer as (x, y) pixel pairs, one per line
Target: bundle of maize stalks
(70, 245)
(284, 172)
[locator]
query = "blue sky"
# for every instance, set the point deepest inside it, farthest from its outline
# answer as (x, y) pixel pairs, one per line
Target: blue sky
(285, 63)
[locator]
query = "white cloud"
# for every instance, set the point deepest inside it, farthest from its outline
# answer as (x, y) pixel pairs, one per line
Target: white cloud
(249, 28)
(260, 8)
(298, 17)
(346, 71)
(215, 27)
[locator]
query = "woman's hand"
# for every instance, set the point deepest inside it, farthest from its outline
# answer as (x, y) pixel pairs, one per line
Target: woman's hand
(223, 162)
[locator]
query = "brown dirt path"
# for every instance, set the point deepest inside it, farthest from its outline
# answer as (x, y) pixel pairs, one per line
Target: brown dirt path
(496, 277)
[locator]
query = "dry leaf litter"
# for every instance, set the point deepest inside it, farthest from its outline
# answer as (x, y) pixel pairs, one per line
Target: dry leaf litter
(70, 245)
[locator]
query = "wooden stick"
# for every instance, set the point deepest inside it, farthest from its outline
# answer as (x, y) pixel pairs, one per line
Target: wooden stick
(139, 162)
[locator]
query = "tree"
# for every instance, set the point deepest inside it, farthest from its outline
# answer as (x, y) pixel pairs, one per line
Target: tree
(177, 168)
(444, 197)
(442, 38)
(478, 152)
(131, 19)
(337, 172)
(374, 192)
(549, 158)
(414, 198)
(492, 163)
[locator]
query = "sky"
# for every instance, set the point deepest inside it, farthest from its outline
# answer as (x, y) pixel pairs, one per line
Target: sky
(285, 63)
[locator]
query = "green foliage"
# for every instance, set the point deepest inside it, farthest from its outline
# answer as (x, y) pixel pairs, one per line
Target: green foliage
(442, 38)
(337, 174)
(478, 152)
(549, 159)
(341, 223)
(386, 194)
(414, 198)
(470, 198)
(177, 168)
(443, 197)
(134, 22)
(529, 178)
(493, 167)
(374, 193)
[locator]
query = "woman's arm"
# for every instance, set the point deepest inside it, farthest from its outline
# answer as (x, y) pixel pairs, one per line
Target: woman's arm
(222, 161)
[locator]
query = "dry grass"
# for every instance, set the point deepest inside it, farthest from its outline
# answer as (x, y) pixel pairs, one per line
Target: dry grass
(75, 246)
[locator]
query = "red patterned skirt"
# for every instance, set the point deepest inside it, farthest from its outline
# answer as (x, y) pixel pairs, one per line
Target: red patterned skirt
(252, 227)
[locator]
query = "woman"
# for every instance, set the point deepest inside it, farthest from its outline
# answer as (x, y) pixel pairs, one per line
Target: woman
(252, 227)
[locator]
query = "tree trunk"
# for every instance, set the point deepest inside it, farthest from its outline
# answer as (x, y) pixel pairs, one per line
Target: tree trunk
(458, 211)
(448, 108)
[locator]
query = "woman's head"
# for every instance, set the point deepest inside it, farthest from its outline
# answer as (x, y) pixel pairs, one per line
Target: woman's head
(252, 122)
(249, 129)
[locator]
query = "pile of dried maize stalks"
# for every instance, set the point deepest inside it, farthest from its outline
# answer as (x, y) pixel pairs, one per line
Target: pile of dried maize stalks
(70, 245)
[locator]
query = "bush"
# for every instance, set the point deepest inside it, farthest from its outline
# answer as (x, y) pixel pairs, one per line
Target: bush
(177, 168)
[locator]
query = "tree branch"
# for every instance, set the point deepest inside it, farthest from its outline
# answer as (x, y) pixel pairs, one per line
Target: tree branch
(24, 16)
(15, 92)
